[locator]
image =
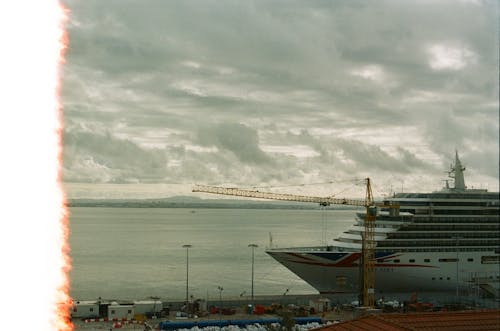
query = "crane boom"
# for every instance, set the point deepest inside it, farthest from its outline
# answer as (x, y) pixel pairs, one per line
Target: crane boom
(324, 201)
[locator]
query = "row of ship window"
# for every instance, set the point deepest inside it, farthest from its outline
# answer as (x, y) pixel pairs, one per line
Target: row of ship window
(462, 249)
(447, 227)
(469, 219)
(442, 235)
(463, 212)
(436, 243)
(440, 260)
(436, 196)
(450, 203)
(484, 260)
(448, 278)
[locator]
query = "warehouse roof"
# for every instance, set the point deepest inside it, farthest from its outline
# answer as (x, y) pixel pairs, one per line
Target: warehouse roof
(472, 320)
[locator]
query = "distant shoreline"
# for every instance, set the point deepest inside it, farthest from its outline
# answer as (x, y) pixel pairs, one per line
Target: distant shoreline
(195, 203)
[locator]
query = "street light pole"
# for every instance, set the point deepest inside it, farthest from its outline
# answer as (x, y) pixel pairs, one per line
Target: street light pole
(187, 247)
(220, 288)
(253, 246)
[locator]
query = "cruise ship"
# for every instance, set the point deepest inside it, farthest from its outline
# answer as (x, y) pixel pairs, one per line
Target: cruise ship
(444, 241)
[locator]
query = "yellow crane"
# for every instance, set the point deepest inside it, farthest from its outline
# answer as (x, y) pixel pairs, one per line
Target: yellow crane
(368, 242)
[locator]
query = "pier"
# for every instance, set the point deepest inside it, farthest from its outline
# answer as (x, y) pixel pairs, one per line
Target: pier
(311, 308)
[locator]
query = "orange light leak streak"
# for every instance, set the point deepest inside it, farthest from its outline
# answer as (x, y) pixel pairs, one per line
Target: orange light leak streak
(63, 303)
(34, 221)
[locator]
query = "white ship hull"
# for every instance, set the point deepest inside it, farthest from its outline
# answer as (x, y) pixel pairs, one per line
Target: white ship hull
(333, 272)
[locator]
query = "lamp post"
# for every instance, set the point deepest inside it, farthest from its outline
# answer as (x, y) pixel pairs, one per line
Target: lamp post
(187, 247)
(220, 288)
(253, 246)
(241, 297)
(284, 294)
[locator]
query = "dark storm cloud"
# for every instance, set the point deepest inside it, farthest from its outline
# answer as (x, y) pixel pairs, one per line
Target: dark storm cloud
(272, 91)
(236, 138)
(92, 157)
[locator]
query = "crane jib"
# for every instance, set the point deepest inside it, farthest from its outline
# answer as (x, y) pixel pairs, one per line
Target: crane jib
(324, 201)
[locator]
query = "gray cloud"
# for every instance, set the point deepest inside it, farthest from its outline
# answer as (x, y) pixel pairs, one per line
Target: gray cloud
(91, 157)
(261, 92)
(237, 138)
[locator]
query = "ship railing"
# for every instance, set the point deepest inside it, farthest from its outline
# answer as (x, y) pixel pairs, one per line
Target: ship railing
(481, 277)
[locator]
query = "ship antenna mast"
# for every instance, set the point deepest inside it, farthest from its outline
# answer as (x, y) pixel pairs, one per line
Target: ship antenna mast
(457, 173)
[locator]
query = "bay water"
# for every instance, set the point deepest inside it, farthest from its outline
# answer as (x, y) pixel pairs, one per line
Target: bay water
(136, 253)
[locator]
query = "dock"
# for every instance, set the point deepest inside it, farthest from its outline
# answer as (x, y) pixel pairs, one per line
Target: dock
(268, 308)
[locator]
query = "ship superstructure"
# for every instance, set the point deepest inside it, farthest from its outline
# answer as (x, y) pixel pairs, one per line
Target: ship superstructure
(441, 241)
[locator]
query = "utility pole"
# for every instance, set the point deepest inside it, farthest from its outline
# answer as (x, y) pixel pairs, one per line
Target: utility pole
(253, 246)
(187, 247)
(220, 288)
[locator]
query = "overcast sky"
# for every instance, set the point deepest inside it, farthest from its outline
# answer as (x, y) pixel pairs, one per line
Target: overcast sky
(159, 95)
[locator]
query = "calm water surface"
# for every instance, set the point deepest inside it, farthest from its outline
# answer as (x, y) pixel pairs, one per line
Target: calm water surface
(134, 253)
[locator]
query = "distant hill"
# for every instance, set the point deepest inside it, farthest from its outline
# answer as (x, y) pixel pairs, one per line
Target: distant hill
(194, 202)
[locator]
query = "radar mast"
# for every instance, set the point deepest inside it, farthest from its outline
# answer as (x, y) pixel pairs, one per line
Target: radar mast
(457, 173)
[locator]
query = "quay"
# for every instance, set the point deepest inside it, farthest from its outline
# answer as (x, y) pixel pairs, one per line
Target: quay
(311, 308)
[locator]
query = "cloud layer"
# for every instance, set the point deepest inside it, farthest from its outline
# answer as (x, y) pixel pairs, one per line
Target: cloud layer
(280, 92)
